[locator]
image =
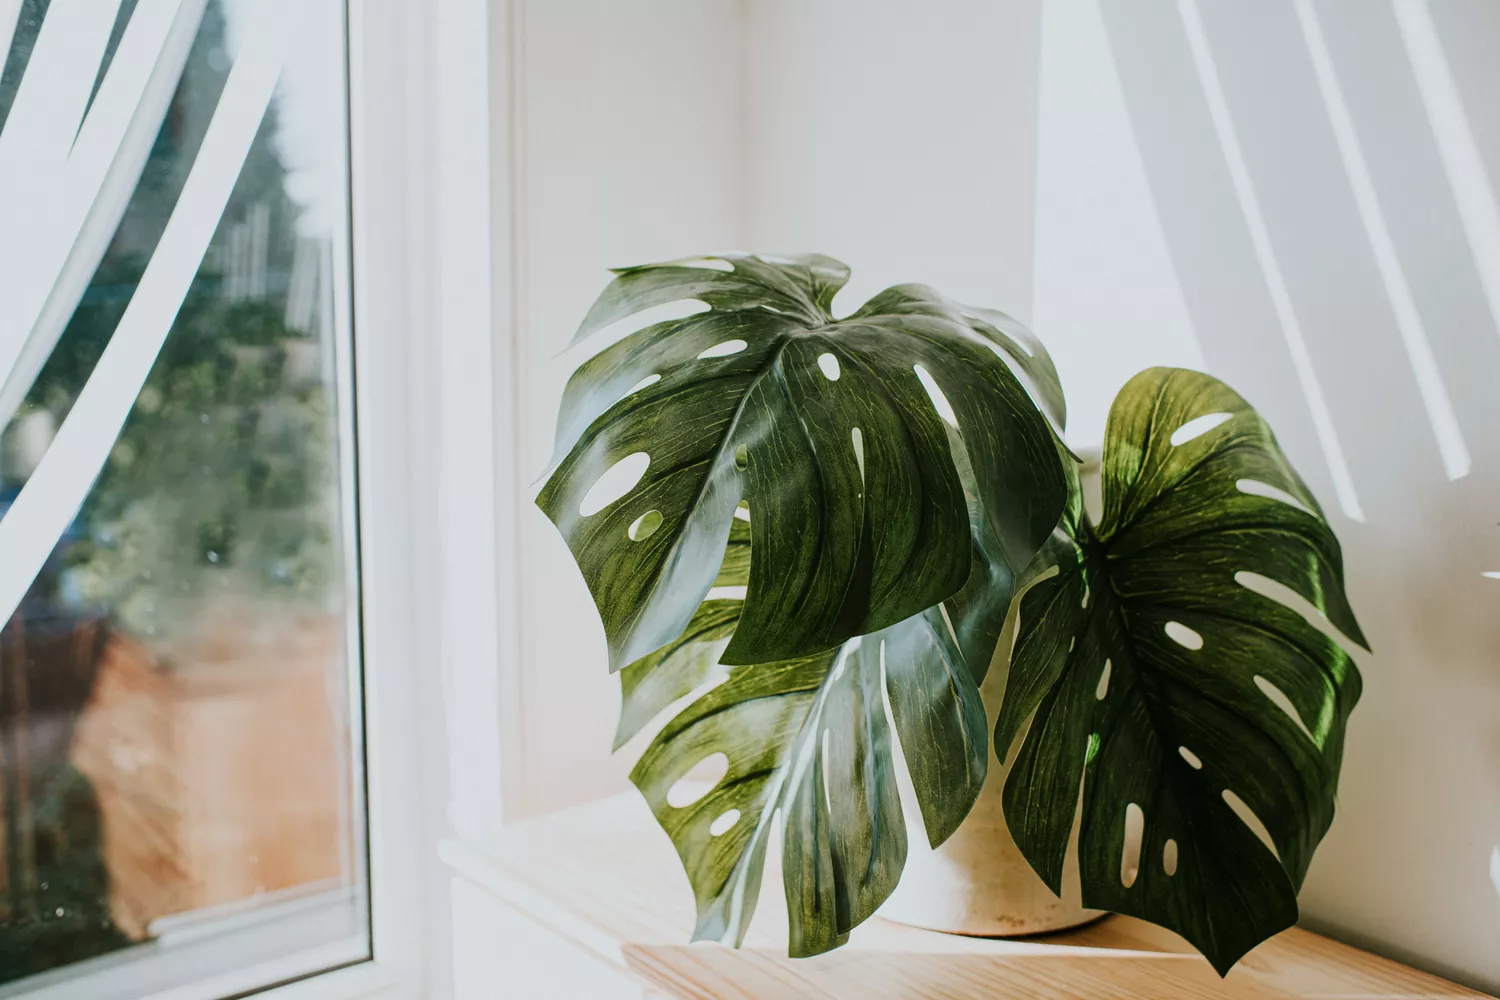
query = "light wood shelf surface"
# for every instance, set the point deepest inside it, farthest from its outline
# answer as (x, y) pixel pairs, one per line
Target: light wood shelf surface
(604, 877)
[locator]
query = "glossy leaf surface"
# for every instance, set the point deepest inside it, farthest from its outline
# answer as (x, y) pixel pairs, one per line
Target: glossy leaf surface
(1158, 678)
(808, 739)
(826, 427)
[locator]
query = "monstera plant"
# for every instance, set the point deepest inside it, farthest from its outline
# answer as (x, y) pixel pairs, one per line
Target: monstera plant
(811, 518)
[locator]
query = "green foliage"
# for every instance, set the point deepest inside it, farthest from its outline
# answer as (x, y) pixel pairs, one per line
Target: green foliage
(883, 568)
(806, 736)
(824, 426)
(219, 481)
(1155, 674)
(866, 511)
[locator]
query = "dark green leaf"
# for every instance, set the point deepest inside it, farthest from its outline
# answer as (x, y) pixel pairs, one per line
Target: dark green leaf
(859, 513)
(801, 286)
(657, 679)
(674, 671)
(808, 738)
(1196, 661)
(940, 719)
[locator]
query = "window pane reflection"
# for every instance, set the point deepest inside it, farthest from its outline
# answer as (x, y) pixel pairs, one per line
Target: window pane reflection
(179, 765)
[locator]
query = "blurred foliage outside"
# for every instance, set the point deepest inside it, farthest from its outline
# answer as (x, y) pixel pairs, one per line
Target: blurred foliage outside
(220, 481)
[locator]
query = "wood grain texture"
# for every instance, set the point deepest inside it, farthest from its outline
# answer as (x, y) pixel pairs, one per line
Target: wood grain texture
(604, 877)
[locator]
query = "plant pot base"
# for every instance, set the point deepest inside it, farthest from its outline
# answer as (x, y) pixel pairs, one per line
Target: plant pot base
(978, 883)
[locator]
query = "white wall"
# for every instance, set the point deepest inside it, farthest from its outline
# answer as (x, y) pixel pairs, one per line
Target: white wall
(1147, 214)
(899, 138)
(1107, 302)
(627, 151)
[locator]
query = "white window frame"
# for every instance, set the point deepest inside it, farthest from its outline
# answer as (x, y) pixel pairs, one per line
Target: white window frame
(437, 477)
(430, 444)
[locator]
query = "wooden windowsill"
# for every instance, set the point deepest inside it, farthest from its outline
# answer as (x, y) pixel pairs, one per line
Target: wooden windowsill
(604, 877)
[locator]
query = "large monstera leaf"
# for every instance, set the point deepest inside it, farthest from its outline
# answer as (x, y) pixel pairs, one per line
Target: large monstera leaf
(806, 738)
(825, 427)
(1160, 680)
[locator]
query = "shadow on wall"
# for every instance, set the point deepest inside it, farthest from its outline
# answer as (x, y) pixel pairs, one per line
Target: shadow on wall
(1323, 175)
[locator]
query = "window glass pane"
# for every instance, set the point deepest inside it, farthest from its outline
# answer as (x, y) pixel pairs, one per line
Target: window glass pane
(180, 762)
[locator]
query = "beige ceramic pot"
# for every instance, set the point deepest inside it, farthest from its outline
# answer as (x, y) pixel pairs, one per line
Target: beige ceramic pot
(977, 882)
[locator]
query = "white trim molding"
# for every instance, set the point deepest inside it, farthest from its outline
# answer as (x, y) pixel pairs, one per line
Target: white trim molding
(432, 256)
(432, 439)
(418, 267)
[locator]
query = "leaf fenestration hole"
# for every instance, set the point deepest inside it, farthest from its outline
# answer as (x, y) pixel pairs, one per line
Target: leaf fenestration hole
(849, 649)
(635, 322)
(827, 777)
(741, 457)
(1130, 855)
(724, 823)
(1248, 817)
(1183, 636)
(648, 380)
(858, 438)
(939, 401)
(729, 592)
(700, 779)
(1278, 698)
(1103, 688)
(952, 632)
(830, 366)
(1256, 488)
(1191, 758)
(1169, 857)
(1093, 497)
(743, 512)
(644, 526)
(1084, 604)
(617, 480)
(1278, 592)
(1287, 597)
(1197, 427)
(1013, 329)
(724, 349)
